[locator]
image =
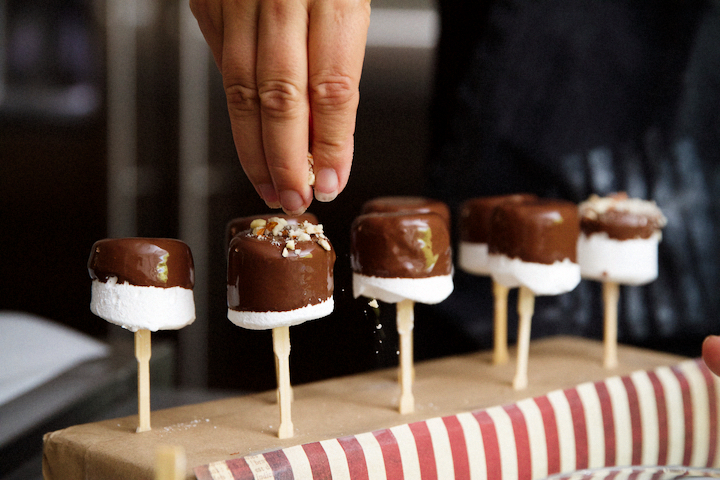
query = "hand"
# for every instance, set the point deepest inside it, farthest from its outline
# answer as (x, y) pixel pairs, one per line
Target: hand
(711, 353)
(286, 65)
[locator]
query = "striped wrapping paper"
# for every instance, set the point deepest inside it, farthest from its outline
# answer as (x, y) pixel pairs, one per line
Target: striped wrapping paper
(667, 416)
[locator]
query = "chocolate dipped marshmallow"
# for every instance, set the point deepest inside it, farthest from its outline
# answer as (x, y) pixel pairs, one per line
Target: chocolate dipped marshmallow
(142, 283)
(397, 256)
(534, 244)
(619, 239)
(279, 274)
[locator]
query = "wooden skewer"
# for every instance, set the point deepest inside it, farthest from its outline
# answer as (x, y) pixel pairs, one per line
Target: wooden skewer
(526, 308)
(500, 350)
(281, 347)
(277, 375)
(405, 324)
(170, 463)
(611, 295)
(142, 354)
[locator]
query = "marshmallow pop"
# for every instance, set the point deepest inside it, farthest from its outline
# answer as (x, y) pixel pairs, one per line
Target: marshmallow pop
(402, 258)
(279, 275)
(143, 285)
(533, 246)
(618, 244)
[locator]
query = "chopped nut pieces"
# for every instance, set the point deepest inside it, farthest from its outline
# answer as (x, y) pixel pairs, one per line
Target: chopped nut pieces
(311, 170)
(595, 207)
(278, 229)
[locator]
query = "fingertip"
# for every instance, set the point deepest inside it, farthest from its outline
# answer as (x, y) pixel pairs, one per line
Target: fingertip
(326, 185)
(292, 202)
(269, 195)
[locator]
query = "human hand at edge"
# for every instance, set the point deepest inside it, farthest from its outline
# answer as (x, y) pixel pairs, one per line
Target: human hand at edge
(283, 63)
(711, 353)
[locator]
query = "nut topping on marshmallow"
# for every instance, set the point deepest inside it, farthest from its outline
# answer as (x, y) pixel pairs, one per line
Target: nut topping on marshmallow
(619, 239)
(279, 274)
(622, 218)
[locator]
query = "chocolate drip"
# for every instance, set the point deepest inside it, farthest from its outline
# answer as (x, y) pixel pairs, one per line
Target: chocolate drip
(621, 225)
(476, 215)
(401, 245)
(260, 279)
(145, 262)
(237, 225)
(407, 204)
(544, 231)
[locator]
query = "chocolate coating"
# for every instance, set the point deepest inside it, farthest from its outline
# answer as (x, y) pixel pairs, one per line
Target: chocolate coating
(476, 215)
(621, 225)
(239, 224)
(400, 245)
(260, 279)
(543, 231)
(145, 262)
(407, 204)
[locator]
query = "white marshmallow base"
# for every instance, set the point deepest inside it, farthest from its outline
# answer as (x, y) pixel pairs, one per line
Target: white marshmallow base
(540, 278)
(268, 320)
(136, 307)
(428, 290)
(474, 258)
(627, 262)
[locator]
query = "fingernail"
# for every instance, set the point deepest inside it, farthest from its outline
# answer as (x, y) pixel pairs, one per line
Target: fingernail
(292, 203)
(268, 194)
(326, 185)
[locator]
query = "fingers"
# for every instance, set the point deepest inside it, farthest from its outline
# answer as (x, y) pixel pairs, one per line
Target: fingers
(282, 89)
(711, 353)
(281, 59)
(336, 48)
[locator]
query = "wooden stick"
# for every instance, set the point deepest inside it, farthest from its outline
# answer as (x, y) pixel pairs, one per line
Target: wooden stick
(281, 347)
(290, 389)
(405, 324)
(611, 295)
(143, 353)
(526, 308)
(500, 350)
(170, 463)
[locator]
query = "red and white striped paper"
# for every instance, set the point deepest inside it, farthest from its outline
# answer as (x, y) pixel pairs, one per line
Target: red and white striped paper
(667, 416)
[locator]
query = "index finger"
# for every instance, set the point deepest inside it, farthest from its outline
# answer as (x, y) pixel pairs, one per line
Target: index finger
(282, 89)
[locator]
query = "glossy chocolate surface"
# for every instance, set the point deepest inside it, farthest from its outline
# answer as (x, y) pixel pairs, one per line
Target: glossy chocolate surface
(260, 279)
(621, 225)
(543, 231)
(145, 262)
(476, 215)
(237, 225)
(407, 204)
(400, 245)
